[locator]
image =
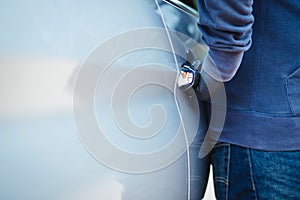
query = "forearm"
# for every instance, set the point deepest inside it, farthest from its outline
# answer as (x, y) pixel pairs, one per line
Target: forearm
(226, 26)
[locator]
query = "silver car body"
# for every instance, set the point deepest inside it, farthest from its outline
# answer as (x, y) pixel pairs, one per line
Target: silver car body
(44, 45)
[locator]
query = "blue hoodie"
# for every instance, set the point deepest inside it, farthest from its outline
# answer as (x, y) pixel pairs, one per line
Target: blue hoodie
(255, 46)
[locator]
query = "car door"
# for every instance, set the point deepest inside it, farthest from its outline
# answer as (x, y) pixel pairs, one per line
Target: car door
(89, 103)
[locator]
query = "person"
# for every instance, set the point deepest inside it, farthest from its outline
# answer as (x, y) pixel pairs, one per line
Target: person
(254, 51)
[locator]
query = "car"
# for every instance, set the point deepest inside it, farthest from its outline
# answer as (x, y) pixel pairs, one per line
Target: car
(89, 103)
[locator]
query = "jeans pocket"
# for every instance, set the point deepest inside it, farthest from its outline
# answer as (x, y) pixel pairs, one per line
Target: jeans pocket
(293, 91)
(220, 160)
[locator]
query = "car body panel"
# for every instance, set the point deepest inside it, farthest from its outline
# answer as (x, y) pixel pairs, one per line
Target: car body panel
(44, 45)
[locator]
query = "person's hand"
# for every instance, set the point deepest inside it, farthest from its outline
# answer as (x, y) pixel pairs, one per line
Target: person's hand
(204, 85)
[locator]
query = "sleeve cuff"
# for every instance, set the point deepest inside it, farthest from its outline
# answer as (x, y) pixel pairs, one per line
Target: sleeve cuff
(222, 66)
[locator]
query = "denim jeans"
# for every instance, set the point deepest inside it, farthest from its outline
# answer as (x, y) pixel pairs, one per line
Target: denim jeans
(199, 172)
(243, 173)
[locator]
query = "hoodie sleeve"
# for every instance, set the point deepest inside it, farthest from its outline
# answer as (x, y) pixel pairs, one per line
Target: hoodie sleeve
(226, 27)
